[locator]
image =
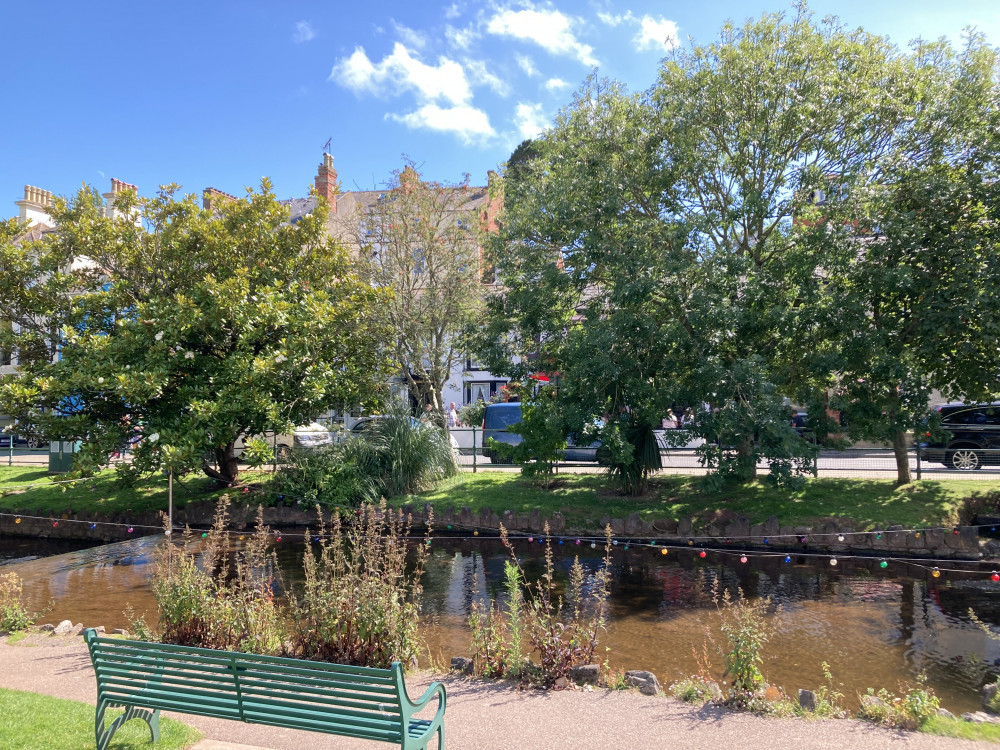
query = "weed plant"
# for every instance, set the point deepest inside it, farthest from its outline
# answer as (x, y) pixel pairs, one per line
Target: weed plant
(497, 635)
(562, 632)
(360, 605)
(225, 599)
(912, 709)
(14, 616)
(746, 627)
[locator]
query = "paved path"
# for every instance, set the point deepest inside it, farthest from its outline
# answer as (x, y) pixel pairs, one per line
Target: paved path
(491, 716)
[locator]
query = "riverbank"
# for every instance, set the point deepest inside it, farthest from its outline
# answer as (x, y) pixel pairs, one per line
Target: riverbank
(487, 715)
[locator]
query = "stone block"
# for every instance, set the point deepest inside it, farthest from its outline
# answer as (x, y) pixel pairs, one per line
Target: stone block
(771, 526)
(934, 539)
(807, 699)
(685, 527)
(462, 665)
(633, 524)
(645, 681)
(617, 526)
(510, 520)
(586, 674)
(535, 520)
(989, 696)
(63, 628)
(647, 528)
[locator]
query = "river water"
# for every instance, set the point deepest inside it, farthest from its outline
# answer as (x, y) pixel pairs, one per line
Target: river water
(875, 627)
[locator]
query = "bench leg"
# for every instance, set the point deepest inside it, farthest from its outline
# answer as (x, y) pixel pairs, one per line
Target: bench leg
(440, 734)
(103, 735)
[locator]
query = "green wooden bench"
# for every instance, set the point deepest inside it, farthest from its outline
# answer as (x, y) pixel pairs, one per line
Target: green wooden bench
(147, 678)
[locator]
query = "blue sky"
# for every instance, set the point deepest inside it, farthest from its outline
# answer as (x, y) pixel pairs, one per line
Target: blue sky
(222, 93)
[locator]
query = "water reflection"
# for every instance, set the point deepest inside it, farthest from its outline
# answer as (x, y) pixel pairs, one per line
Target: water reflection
(874, 627)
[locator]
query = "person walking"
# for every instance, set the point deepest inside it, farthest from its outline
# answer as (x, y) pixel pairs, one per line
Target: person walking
(453, 421)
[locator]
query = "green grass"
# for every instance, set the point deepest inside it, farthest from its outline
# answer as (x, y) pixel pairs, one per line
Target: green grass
(584, 499)
(964, 730)
(99, 494)
(29, 721)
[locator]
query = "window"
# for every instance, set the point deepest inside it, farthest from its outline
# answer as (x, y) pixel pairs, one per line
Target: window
(482, 390)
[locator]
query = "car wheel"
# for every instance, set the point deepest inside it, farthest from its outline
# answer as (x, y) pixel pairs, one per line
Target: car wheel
(33, 443)
(964, 459)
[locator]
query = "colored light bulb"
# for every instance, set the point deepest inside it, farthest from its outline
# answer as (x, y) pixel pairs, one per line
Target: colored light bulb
(995, 577)
(702, 554)
(936, 573)
(743, 558)
(833, 561)
(883, 564)
(663, 551)
(788, 558)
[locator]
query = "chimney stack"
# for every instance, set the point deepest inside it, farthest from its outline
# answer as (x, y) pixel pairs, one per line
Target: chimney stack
(34, 207)
(326, 182)
(119, 188)
(211, 198)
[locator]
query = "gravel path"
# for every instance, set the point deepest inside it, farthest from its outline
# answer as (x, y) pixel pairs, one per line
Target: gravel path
(491, 716)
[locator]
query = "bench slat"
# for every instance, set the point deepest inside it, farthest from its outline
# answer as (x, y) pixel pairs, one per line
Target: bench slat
(125, 649)
(167, 702)
(319, 672)
(152, 673)
(317, 721)
(253, 676)
(361, 713)
(374, 673)
(263, 694)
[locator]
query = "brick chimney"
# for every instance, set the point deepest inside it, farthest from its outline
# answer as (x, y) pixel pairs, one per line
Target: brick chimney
(118, 188)
(34, 207)
(211, 197)
(326, 182)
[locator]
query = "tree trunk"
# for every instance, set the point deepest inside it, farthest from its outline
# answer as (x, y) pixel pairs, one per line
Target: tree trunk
(900, 446)
(229, 465)
(746, 460)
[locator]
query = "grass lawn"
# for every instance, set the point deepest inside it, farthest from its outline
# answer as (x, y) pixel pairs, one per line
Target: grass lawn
(99, 494)
(964, 730)
(29, 721)
(584, 499)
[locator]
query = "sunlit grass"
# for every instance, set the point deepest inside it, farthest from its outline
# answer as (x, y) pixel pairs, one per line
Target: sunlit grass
(29, 721)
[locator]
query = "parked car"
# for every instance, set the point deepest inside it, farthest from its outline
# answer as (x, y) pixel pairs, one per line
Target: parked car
(31, 443)
(498, 417)
(973, 440)
(307, 436)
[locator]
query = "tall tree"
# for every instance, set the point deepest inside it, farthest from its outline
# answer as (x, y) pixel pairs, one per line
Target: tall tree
(912, 271)
(203, 327)
(647, 251)
(421, 241)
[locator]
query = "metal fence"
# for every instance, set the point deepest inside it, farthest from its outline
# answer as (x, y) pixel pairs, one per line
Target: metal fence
(875, 463)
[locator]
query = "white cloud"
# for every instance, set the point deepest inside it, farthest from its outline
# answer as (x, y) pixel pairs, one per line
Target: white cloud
(467, 122)
(612, 20)
(530, 120)
(409, 36)
(400, 71)
(548, 28)
(452, 11)
(656, 33)
(461, 38)
(304, 32)
(481, 76)
(443, 92)
(527, 65)
(556, 84)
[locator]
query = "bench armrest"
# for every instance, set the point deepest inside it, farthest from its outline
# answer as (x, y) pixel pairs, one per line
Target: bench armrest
(437, 689)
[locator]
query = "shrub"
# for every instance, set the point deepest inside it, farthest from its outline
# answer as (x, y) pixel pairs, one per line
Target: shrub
(226, 601)
(828, 698)
(330, 476)
(14, 615)
(496, 635)
(360, 604)
(911, 710)
(696, 689)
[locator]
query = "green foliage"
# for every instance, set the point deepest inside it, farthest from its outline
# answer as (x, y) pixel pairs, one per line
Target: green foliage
(632, 455)
(360, 601)
(210, 325)
(697, 690)
(257, 452)
(828, 698)
(14, 615)
(746, 627)
(30, 721)
(497, 634)
(330, 475)
(912, 710)
(212, 596)
(138, 628)
(543, 436)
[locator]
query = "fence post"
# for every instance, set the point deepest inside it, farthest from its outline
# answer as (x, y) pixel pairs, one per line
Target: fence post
(473, 449)
(918, 463)
(10, 451)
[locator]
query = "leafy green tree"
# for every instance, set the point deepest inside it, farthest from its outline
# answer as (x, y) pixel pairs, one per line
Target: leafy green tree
(201, 327)
(647, 251)
(910, 301)
(421, 240)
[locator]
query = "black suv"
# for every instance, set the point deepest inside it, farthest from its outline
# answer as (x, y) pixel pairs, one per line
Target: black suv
(975, 436)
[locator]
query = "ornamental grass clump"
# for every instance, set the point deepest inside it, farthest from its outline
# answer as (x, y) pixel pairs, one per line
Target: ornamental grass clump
(213, 596)
(360, 603)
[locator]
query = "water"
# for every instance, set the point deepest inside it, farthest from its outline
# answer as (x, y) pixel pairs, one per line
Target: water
(876, 628)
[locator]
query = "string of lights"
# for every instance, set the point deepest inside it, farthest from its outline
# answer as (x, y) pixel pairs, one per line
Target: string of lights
(935, 567)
